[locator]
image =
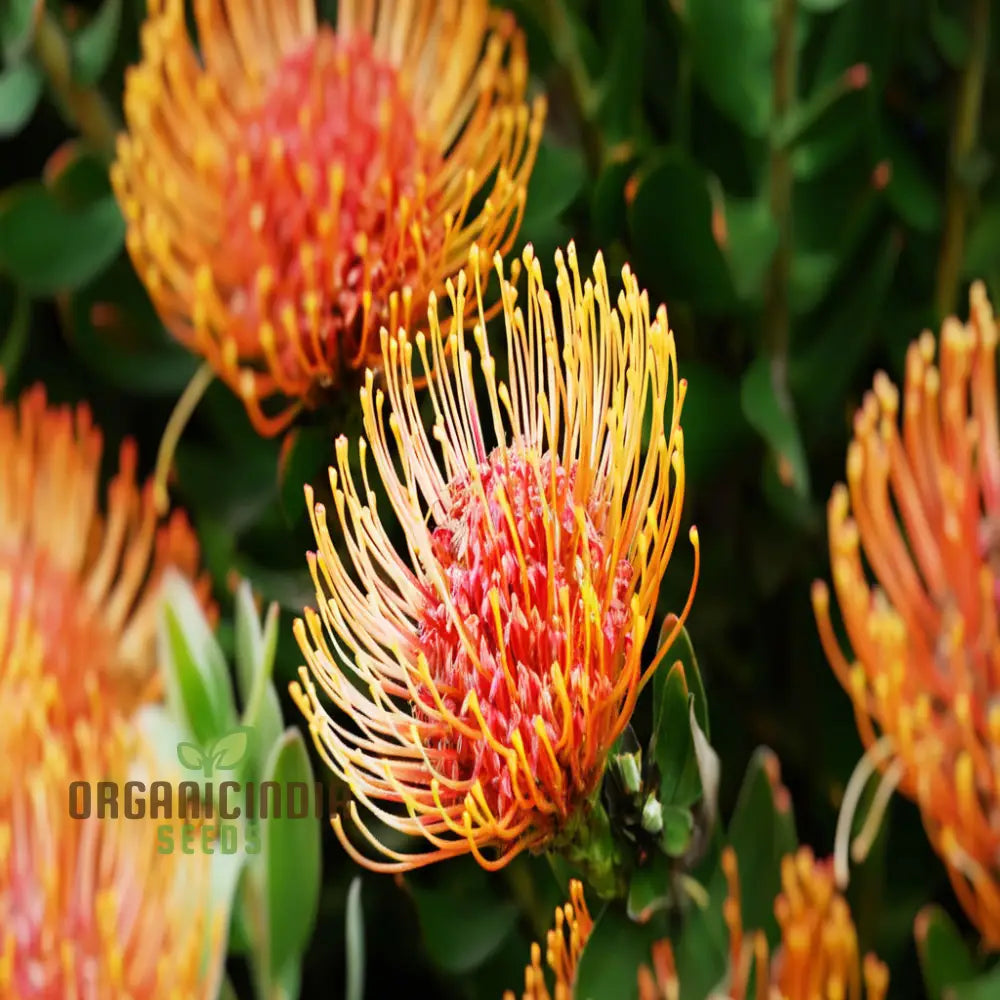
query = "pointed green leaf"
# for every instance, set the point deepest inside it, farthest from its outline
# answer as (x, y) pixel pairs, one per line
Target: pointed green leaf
(20, 88)
(195, 672)
(17, 27)
(773, 417)
(49, 249)
(617, 946)
(649, 889)
(94, 45)
(945, 959)
(290, 852)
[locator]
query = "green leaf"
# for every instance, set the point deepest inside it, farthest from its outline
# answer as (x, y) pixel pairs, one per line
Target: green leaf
(715, 429)
(20, 88)
(228, 751)
(94, 45)
(913, 196)
(762, 832)
(677, 693)
(460, 930)
(752, 241)
(290, 850)
(945, 959)
(821, 6)
(649, 888)
(732, 42)
(195, 673)
(949, 34)
(48, 249)
(982, 248)
(678, 831)
(17, 332)
(986, 987)
(774, 420)
(305, 453)
(619, 90)
(557, 179)
(616, 947)
(190, 756)
(17, 27)
(354, 943)
(675, 252)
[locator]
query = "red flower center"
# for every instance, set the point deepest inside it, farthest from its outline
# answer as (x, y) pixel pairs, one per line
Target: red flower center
(325, 185)
(518, 567)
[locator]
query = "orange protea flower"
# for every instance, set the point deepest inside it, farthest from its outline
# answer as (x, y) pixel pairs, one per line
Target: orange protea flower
(84, 581)
(290, 188)
(818, 955)
(88, 907)
(923, 503)
(501, 661)
(564, 945)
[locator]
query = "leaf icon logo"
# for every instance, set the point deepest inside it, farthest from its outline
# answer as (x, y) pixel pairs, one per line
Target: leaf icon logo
(225, 754)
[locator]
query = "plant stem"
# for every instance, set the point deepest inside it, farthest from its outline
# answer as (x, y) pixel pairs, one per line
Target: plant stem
(189, 399)
(964, 138)
(777, 311)
(85, 107)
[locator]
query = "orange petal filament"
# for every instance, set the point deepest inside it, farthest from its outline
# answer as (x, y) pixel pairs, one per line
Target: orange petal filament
(494, 668)
(290, 188)
(89, 908)
(84, 580)
(922, 504)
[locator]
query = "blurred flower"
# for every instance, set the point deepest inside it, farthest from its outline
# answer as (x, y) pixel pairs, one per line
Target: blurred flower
(83, 580)
(498, 664)
(563, 948)
(818, 955)
(289, 189)
(88, 906)
(922, 502)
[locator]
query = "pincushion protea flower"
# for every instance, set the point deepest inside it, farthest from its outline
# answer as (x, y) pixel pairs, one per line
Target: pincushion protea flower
(495, 667)
(84, 580)
(88, 907)
(818, 955)
(563, 948)
(922, 502)
(290, 189)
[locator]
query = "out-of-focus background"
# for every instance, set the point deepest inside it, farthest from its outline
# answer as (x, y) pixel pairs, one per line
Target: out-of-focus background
(807, 184)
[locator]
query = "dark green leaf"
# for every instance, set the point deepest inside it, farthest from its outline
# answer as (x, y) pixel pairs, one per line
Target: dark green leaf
(609, 965)
(762, 832)
(20, 88)
(556, 181)
(290, 850)
(305, 454)
(15, 341)
(461, 932)
(649, 888)
(48, 249)
(94, 45)
(732, 43)
(945, 959)
(774, 419)
(917, 201)
(752, 239)
(676, 252)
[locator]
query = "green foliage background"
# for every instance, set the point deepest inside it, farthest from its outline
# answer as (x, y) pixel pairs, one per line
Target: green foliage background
(808, 184)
